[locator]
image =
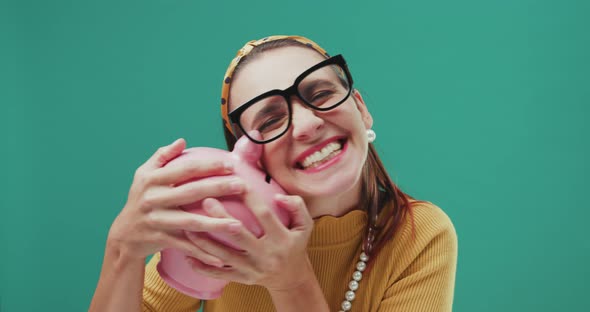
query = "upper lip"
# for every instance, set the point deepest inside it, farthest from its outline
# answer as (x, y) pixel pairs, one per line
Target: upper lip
(315, 148)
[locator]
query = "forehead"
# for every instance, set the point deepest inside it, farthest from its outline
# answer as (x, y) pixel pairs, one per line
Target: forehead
(273, 69)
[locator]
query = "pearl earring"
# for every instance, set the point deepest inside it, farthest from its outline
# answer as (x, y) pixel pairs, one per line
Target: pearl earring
(371, 136)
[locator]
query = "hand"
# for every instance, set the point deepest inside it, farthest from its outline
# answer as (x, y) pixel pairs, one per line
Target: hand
(275, 260)
(151, 219)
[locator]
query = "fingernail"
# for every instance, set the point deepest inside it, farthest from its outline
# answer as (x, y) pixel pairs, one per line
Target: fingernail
(216, 263)
(236, 186)
(235, 227)
(281, 197)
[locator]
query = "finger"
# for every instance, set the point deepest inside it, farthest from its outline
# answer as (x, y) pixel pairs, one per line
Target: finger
(255, 134)
(166, 153)
(187, 170)
(187, 247)
(214, 208)
(226, 254)
(181, 220)
(267, 218)
(198, 266)
(241, 237)
(192, 192)
(295, 206)
(227, 273)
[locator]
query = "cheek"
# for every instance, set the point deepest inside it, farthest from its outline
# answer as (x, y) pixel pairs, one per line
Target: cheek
(350, 113)
(272, 157)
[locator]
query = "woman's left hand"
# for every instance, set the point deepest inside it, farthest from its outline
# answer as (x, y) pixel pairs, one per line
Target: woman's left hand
(275, 260)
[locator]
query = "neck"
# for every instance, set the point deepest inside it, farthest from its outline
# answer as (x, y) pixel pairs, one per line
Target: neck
(334, 205)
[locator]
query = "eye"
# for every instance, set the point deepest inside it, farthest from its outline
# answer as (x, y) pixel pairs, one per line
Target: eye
(321, 94)
(272, 123)
(267, 124)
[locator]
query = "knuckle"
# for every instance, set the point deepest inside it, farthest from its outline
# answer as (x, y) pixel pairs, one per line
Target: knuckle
(236, 238)
(217, 164)
(298, 201)
(266, 214)
(147, 201)
(218, 227)
(193, 170)
(139, 171)
(157, 238)
(225, 186)
(160, 154)
(139, 175)
(160, 151)
(144, 178)
(151, 221)
(193, 224)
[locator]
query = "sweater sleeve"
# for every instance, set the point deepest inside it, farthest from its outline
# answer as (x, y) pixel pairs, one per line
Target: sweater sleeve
(158, 296)
(428, 281)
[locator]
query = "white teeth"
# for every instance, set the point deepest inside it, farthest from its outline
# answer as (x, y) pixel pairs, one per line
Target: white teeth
(325, 153)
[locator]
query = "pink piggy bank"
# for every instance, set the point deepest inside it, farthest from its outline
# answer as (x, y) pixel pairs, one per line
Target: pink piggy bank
(172, 266)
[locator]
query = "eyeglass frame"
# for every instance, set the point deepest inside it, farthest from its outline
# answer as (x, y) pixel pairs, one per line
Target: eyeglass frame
(293, 90)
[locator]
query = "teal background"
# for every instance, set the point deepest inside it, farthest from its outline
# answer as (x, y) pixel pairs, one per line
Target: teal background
(480, 107)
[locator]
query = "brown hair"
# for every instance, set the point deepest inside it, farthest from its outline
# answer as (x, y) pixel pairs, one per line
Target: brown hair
(387, 206)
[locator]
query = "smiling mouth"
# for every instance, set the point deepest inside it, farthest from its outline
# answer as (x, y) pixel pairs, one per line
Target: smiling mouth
(322, 156)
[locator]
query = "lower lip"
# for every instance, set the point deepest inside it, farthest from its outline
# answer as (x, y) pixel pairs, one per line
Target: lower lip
(330, 162)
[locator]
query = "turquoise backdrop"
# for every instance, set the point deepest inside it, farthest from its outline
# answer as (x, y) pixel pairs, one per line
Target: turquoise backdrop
(480, 107)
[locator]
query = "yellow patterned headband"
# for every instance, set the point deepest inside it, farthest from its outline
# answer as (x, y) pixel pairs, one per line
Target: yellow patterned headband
(245, 50)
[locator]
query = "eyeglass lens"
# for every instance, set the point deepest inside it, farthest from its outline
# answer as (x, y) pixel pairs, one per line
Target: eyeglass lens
(323, 88)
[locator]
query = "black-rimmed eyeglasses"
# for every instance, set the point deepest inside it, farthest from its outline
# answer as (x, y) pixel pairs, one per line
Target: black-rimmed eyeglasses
(322, 87)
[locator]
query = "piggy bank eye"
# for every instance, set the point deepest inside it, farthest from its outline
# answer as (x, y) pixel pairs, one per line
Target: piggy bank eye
(267, 178)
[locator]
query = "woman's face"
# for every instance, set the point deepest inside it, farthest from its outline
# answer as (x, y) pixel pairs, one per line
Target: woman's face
(296, 160)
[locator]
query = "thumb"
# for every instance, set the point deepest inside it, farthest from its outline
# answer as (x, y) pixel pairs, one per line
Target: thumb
(295, 206)
(166, 153)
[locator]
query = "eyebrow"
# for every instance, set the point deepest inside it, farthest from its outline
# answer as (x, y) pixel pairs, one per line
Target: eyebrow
(316, 83)
(268, 108)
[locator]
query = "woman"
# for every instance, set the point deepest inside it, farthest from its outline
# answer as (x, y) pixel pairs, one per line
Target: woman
(356, 241)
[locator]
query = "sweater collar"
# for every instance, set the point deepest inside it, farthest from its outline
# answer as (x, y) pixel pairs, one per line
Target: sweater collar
(330, 230)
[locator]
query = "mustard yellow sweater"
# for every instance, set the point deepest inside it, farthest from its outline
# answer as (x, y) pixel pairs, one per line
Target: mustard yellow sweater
(412, 272)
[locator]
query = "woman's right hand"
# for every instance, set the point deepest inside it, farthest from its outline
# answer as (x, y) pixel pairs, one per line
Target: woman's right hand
(152, 220)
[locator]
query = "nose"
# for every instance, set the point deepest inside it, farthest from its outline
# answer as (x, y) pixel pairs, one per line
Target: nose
(305, 121)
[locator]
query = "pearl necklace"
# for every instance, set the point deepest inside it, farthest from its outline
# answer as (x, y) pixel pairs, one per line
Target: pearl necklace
(354, 283)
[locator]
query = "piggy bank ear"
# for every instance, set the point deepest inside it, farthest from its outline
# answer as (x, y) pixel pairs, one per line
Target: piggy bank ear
(248, 150)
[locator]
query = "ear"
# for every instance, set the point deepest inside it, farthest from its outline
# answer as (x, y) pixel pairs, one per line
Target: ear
(360, 105)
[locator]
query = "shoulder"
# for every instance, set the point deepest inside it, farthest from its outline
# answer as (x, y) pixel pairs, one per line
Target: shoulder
(426, 220)
(429, 230)
(420, 262)
(426, 230)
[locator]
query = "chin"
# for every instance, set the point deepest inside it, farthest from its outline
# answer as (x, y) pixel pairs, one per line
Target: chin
(334, 178)
(335, 185)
